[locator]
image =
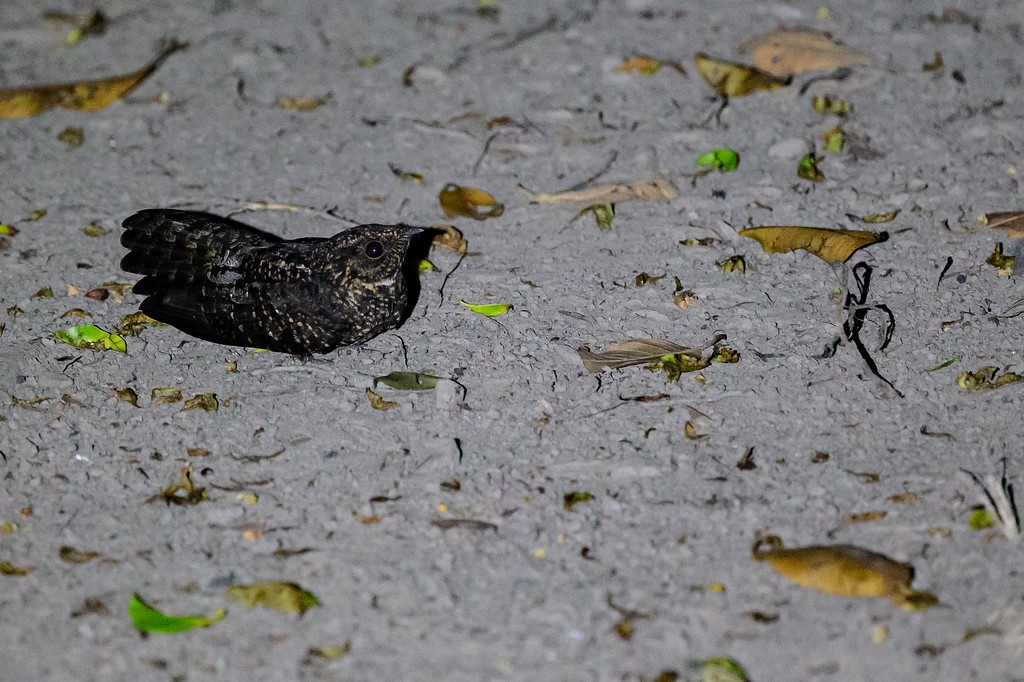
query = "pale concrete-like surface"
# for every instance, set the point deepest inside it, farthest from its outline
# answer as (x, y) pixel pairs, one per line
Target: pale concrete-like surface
(671, 516)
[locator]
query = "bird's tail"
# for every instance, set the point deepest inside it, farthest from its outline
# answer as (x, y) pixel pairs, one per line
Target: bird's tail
(183, 248)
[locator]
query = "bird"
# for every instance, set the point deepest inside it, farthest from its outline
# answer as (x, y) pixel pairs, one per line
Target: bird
(225, 282)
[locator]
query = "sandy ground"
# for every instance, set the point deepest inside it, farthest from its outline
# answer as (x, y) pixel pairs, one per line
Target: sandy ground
(538, 594)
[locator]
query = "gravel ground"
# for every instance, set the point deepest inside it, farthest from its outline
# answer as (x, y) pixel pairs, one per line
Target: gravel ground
(535, 591)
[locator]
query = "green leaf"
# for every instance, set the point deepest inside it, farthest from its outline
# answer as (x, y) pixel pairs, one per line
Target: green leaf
(90, 336)
(147, 619)
(571, 499)
(723, 669)
(604, 214)
(947, 363)
(407, 381)
(808, 168)
(488, 309)
(724, 160)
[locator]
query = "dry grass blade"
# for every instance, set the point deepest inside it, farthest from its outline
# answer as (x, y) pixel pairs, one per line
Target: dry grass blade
(637, 352)
(658, 189)
(1011, 221)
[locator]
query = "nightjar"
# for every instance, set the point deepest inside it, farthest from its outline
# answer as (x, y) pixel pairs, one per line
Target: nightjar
(225, 282)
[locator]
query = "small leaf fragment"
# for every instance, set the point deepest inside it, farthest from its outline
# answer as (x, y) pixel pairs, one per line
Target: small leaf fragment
(377, 402)
(733, 264)
(165, 396)
(834, 139)
(488, 309)
(182, 493)
(733, 79)
(301, 103)
(644, 278)
(1003, 263)
(724, 160)
(824, 104)
(604, 214)
(450, 237)
(469, 202)
(92, 337)
(76, 556)
(134, 323)
(72, 137)
(722, 669)
(571, 499)
(202, 401)
(808, 168)
(7, 568)
(145, 618)
(876, 218)
(832, 246)
(94, 229)
(45, 292)
(981, 518)
(331, 652)
(127, 395)
(646, 65)
(282, 596)
(407, 381)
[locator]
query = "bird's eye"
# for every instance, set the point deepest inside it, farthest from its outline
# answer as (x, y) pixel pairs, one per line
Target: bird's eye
(374, 249)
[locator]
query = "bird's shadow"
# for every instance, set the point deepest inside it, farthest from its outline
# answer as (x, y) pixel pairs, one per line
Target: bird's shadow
(419, 249)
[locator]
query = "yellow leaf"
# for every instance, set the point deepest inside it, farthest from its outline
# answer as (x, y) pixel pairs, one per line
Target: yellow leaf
(733, 79)
(844, 570)
(301, 103)
(786, 52)
(832, 246)
(377, 402)
(488, 309)
(91, 95)
(469, 202)
(648, 66)
(202, 401)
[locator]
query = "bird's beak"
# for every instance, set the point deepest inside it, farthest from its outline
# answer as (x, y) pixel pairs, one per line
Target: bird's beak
(412, 230)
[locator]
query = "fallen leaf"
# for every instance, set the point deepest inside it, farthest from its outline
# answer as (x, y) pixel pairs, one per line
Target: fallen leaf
(824, 104)
(469, 202)
(145, 618)
(733, 264)
(134, 323)
(377, 402)
(7, 568)
(648, 66)
(643, 279)
(451, 238)
(202, 401)
(732, 79)
(488, 309)
(724, 160)
(834, 139)
(92, 337)
(45, 292)
(76, 556)
(91, 95)
(165, 396)
(1003, 263)
(844, 570)
(94, 229)
(981, 518)
(936, 64)
(407, 381)
(604, 214)
(330, 652)
(832, 246)
(571, 499)
(637, 352)
(722, 669)
(876, 218)
(301, 103)
(985, 379)
(790, 51)
(282, 596)
(1011, 221)
(182, 493)
(72, 137)
(808, 168)
(643, 190)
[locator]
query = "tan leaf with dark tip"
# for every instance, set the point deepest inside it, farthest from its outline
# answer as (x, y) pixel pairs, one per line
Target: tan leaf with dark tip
(832, 246)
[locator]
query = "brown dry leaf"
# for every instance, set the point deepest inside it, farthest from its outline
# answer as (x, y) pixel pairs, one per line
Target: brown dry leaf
(1011, 221)
(659, 189)
(91, 95)
(202, 401)
(451, 238)
(77, 556)
(469, 202)
(273, 594)
(127, 395)
(832, 246)
(377, 402)
(636, 352)
(790, 51)
(732, 79)
(844, 570)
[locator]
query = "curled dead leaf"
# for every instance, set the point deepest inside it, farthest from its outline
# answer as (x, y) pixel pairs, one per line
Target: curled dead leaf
(732, 79)
(832, 246)
(637, 352)
(449, 237)
(469, 202)
(790, 51)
